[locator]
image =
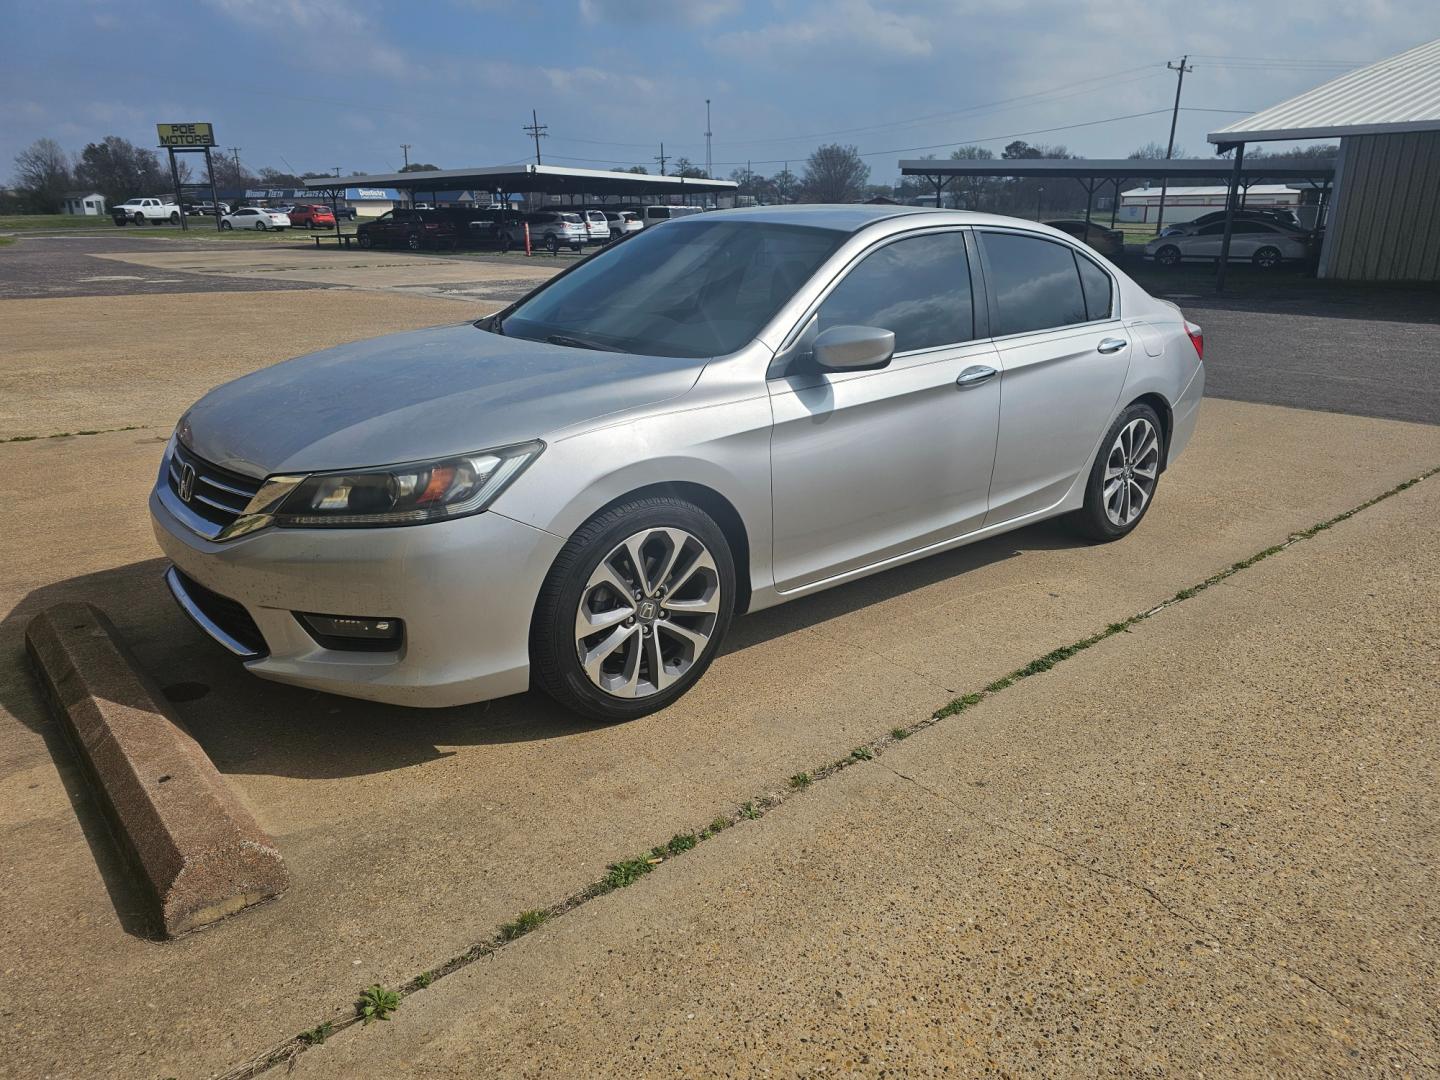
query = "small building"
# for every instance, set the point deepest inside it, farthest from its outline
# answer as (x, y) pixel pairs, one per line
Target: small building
(83, 203)
(1384, 223)
(1187, 203)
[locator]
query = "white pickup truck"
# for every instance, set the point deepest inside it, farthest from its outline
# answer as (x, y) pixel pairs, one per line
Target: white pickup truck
(138, 211)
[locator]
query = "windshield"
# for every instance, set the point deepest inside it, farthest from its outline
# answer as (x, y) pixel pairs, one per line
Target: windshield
(702, 289)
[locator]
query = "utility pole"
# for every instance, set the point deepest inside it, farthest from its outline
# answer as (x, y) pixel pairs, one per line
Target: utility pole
(662, 159)
(405, 149)
(1181, 68)
(709, 165)
(235, 153)
(538, 131)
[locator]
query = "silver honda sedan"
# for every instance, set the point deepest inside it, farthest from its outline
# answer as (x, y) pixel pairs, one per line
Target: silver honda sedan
(709, 418)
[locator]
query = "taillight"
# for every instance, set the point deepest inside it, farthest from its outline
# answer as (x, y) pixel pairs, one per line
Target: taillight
(1197, 338)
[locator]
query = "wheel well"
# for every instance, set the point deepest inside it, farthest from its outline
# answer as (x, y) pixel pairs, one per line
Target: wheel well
(1167, 420)
(725, 515)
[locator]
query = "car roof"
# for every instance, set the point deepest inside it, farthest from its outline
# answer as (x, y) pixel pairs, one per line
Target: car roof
(853, 217)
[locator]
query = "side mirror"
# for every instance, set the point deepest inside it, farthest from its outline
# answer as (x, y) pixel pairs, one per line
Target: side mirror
(854, 348)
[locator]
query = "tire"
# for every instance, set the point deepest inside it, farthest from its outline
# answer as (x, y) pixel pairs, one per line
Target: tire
(138, 218)
(1267, 258)
(503, 243)
(365, 240)
(1132, 453)
(1169, 255)
(226, 226)
(121, 221)
(552, 244)
(260, 226)
(174, 218)
(667, 532)
(413, 241)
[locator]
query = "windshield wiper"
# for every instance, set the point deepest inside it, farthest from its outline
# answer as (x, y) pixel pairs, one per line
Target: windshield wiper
(579, 343)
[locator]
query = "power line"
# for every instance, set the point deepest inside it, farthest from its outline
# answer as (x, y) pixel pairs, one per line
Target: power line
(1180, 69)
(405, 149)
(661, 159)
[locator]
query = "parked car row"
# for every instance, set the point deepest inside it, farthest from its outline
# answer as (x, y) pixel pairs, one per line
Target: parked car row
(1255, 236)
(549, 229)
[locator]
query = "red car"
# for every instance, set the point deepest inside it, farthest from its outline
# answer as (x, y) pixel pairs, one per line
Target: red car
(317, 216)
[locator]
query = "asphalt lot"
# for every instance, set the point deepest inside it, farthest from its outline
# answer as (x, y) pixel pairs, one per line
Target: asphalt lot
(1205, 845)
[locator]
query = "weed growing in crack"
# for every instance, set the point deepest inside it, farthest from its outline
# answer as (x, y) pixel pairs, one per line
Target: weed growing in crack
(424, 979)
(720, 824)
(376, 1003)
(627, 872)
(317, 1035)
(861, 753)
(678, 843)
(799, 780)
(523, 924)
(899, 733)
(749, 812)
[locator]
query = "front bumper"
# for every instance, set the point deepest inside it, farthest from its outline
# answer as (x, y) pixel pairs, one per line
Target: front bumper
(465, 590)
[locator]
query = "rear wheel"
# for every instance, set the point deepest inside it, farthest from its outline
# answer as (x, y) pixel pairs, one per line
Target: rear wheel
(552, 244)
(634, 609)
(226, 225)
(174, 217)
(260, 226)
(1124, 477)
(1267, 258)
(413, 241)
(503, 242)
(365, 240)
(1169, 255)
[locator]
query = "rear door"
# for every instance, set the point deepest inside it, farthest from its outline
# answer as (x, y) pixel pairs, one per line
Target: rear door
(1064, 354)
(870, 465)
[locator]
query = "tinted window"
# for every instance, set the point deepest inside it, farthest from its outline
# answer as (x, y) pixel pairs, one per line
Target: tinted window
(1097, 286)
(701, 288)
(1211, 230)
(1035, 283)
(919, 288)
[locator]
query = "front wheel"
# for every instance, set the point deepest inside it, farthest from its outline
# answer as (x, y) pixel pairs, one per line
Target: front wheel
(1124, 477)
(225, 225)
(552, 244)
(413, 242)
(1169, 255)
(260, 226)
(365, 240)
(174, 218)
(633, 610)
(503, 243)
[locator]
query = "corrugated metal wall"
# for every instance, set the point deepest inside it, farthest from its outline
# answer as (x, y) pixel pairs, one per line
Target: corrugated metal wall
(1385, 224)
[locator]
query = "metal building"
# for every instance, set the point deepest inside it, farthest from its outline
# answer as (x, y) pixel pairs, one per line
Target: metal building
(1384, 222)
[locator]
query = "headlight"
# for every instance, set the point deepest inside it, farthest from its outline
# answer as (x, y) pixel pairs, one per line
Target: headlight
(405, 494)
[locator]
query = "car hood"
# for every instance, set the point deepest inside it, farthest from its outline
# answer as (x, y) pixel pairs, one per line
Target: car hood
(425, 394)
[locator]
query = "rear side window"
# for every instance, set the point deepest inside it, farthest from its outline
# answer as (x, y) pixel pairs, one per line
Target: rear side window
(1035, 283)
(918, 287)
(1098, 289)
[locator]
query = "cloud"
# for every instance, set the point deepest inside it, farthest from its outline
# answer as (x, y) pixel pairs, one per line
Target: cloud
(843, 26)
(694, 12)
(331, 32)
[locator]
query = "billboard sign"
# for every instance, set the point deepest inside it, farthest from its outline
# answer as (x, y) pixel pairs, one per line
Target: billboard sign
(185, 136)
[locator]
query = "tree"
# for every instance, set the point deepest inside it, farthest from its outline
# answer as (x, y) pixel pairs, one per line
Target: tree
(416, 166)
(1020, 150)
(42, 175)
(120, 170)
(1153, 151)
(686, 167)
(834, 173)
(786, 185)
(275, 178)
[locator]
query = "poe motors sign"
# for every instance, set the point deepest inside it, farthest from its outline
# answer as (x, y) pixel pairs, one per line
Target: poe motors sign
(185, 136)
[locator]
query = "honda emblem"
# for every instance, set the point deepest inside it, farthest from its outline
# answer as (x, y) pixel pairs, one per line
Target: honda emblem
(187, 481)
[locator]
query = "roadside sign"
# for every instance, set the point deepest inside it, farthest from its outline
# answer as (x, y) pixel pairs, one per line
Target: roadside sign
(176, 136)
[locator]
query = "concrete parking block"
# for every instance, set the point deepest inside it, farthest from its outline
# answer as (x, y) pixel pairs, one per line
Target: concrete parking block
(199, 853)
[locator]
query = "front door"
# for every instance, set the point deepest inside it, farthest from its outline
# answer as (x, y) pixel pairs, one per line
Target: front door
(870, 465)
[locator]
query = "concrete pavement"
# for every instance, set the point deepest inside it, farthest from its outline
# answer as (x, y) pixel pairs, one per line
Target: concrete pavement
(1206, 847)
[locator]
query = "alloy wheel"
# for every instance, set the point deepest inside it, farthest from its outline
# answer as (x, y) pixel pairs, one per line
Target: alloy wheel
(648, 612)
(1131, 469)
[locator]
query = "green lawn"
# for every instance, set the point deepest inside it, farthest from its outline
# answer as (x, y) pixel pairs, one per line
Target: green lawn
(24, 222)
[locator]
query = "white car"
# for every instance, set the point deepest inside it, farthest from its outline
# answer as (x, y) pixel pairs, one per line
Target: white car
(623, 221)
(597, 226)
(654, 215)
(260, 218)
(551, 229)
(1257, 242)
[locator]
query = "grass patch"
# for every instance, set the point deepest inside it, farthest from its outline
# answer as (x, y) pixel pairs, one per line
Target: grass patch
(30, 222)
(626, 872)
(523, 924)
(899, 733)
(720, 824)
(376, 1003)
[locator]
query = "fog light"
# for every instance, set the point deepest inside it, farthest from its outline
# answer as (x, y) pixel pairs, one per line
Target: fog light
(356, 633)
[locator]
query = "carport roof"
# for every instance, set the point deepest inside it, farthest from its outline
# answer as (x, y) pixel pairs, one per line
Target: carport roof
(1401, 93)
(1121, 168)
(550, 179)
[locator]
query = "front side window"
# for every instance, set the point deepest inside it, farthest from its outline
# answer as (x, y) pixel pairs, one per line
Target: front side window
(1035, 283)
(699, 288)
(918, 287)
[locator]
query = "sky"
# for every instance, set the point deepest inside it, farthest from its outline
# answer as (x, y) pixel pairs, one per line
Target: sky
(318, 84)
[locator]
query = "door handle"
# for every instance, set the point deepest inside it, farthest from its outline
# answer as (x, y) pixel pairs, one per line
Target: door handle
(975, 376)
(1111, 345)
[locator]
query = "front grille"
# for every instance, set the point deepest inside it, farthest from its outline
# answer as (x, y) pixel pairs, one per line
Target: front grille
(220, 496)
(229, 615)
